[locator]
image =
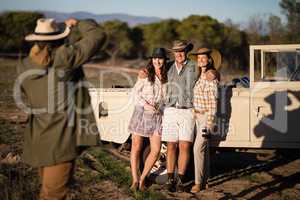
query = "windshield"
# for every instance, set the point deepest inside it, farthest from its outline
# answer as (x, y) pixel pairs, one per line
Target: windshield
(277, 65)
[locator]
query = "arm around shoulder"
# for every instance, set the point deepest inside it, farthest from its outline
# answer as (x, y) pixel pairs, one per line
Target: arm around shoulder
(212, 75)
(143, 73)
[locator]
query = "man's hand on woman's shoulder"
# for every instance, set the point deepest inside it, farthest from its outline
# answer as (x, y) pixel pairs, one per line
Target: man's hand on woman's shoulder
(143, 73)
(212, 75)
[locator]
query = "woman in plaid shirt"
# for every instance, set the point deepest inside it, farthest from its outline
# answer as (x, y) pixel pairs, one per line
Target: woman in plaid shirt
(205, 105)
(147, 116)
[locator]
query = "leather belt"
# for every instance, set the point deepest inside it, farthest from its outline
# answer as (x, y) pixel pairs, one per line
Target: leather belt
(180, 107)
(202, 112)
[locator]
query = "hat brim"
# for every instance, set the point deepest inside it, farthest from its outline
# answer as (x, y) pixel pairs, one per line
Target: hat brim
(199, 53)
(214, 54)
(150, 57)
(35, 37)
(187, 48)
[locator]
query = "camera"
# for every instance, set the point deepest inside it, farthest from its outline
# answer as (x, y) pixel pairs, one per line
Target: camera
(206, 133)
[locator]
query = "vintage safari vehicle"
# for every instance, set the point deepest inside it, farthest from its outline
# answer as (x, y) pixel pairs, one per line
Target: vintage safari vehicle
(260, 112)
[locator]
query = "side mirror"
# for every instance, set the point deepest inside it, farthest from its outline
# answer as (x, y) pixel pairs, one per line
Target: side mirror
(103, 109)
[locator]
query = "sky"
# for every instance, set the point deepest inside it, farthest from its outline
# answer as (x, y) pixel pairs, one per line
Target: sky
(236, 10)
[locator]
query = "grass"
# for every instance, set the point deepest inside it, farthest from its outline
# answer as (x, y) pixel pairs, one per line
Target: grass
(18, 182)
(254, 178)
(7, 78)
(113, 169)
(119, 173)
(10, 133)
(251, 177)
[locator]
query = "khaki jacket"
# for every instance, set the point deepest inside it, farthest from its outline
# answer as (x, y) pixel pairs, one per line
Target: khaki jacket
(58, 102)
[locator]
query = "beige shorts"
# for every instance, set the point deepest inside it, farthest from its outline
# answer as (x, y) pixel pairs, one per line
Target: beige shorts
(178, 125)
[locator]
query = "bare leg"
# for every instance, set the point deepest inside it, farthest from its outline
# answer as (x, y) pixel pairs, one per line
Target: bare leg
(155, 142)
(136, 146)
(184, 156)
(171, 156)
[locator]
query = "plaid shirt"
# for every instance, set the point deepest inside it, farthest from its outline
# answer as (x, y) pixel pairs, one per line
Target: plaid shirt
(205, 99)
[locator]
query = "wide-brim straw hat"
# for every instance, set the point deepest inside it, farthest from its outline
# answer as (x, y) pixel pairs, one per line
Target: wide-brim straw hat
(181, 45)
(213, 53)
(48, 30)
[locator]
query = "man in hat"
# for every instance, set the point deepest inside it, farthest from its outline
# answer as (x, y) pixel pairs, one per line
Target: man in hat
(178, 122)
(58, 102)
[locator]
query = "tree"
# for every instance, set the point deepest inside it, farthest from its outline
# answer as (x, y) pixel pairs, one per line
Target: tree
(137, 38)
(234, 47)
(205, 31)
(201, 31)
(276, 30)
(291, 8)
(256, 30)
(119, 40)
(14, 27)
(160, 34)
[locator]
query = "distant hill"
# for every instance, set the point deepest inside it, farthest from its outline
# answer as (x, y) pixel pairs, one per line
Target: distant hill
(130, 19)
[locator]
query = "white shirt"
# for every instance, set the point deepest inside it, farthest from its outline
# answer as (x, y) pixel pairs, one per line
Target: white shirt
(180, 69)
(146, 92)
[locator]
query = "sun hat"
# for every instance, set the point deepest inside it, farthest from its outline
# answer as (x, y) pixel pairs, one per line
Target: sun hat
(47, 30)
(213, 53)
(181, 45)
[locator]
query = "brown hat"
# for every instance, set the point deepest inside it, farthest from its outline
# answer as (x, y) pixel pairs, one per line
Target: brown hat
(47, 30)
(213, 53)
(182, 45)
